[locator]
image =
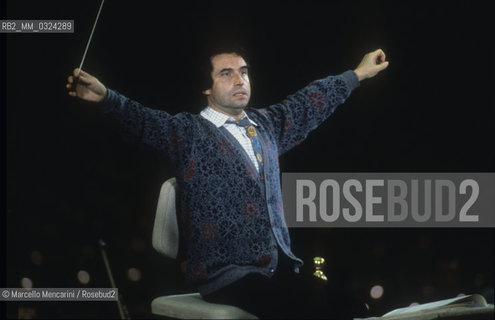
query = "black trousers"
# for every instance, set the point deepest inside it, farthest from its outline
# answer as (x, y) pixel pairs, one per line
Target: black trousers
(289, 295)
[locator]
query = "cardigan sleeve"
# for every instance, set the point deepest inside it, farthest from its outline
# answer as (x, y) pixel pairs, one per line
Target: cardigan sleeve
(154, 128)
(293, 118)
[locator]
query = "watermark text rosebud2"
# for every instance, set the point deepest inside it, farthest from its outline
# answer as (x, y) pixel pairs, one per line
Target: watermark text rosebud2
(389, 199)
(59, 294)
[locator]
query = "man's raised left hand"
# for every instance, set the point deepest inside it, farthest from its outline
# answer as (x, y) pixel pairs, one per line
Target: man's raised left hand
(372, 63)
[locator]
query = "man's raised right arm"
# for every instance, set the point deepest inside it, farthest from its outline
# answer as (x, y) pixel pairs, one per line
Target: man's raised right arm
(155, 128)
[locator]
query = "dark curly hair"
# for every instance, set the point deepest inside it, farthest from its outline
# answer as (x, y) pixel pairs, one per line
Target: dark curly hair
(212, 49)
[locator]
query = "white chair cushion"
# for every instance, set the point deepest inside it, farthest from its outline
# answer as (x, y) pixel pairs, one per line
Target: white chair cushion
(192, 306)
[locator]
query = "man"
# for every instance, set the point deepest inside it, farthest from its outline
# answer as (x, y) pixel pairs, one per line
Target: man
(226, 164)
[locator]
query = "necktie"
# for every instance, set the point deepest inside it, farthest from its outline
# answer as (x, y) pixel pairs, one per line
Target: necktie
(255, 141)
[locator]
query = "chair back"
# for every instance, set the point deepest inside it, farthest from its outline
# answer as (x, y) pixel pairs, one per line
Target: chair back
(166, 229)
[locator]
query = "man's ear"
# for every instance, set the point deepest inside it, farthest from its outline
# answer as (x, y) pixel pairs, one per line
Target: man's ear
(207, 92)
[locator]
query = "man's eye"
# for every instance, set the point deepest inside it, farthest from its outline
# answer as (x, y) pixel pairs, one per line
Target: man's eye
(225, 74)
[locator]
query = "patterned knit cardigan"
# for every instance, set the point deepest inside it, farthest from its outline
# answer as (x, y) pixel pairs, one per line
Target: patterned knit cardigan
(232, 222)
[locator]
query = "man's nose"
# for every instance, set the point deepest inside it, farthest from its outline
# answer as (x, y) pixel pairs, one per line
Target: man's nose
(238, 79)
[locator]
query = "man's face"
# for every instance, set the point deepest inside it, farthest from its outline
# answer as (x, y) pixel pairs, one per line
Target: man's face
(230, 91)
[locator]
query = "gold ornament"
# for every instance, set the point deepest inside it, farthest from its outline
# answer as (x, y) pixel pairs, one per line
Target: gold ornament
(319, 262)
(251, 131)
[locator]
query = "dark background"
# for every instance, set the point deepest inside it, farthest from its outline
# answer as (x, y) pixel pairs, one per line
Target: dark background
(72, 180)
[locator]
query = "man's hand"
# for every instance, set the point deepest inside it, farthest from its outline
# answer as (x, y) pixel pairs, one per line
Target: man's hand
(371, 64)
(85, 86)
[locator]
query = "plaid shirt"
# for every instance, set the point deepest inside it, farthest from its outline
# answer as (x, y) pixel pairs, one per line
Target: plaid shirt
(219, 119)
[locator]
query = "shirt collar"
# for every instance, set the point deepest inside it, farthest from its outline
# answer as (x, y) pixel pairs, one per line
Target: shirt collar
(219, 119)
